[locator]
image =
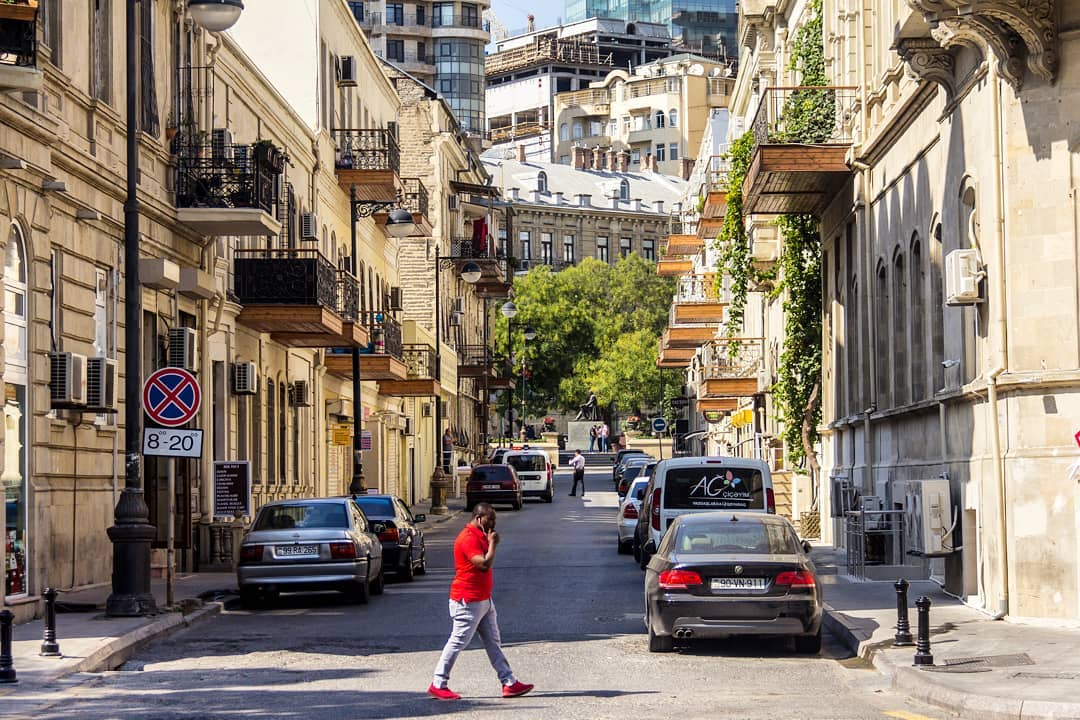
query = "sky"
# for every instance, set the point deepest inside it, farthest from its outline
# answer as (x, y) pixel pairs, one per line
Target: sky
(513, 13)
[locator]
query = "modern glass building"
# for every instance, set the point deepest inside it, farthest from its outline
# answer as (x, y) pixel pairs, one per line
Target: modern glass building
(706, 27)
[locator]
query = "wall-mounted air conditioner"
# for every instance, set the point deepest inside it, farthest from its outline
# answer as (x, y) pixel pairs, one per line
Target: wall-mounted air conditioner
(67, 380)
(346, 71)
(928, 519)
(452, 202)
(395, 299)
(245, 378)
(100, 383)
(182, 348)
(963, 276)
(300, 394)
(309, 226)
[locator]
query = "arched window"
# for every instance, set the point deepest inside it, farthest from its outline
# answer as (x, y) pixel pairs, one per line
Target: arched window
(578, 131)
(937, 307)
(564, 132)
(658, 119)
(541, 182)
(917, 273)
(283, 422)
(16, 413)
(624, 190)
(271, 431)
(673, 118)
(900, 331)
(881, 335)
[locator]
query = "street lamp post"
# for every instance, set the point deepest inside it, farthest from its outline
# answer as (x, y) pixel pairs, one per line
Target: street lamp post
(132, 532)
(509, 311)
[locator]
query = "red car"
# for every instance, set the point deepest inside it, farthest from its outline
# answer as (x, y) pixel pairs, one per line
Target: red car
(494, 484)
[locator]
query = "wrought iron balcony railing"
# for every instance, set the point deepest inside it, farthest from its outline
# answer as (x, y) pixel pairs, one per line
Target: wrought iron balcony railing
(366, 149)
(420, 360)
(18, 34)
(226, 175)
(474, 248)
(285, 277)
(385, 333)
(731, 358)
(348, 296)
(699, 289)
(474, 356)
(680, 224)
(805, 115)
(415, 196)
(716, 178)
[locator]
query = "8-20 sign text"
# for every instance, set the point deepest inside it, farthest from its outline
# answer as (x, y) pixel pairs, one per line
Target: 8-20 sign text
(172, 443)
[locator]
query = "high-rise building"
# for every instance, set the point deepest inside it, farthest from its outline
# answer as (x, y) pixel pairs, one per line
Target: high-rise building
(440, 43)
(707, 27)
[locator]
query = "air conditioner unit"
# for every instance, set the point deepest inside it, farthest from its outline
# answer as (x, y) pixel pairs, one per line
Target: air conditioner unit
(927, 518)
(395, 299)
(221, 144)
(346, 71)
(842, 495)
(455, 319)
(309, 226)
(245, 379)
(452, 202)
(962, 277)
(299, 394)
(182, 348)
(101, 383)
(67, 380)
(459, 304)
(425, 410)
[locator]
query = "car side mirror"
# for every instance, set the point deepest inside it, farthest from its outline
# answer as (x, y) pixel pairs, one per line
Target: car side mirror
(807, 547)
(378, 528)
(650, 547)
(419, 517)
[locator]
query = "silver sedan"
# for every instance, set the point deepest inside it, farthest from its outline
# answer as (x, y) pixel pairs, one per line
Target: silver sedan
(308, 545)
(628, 513)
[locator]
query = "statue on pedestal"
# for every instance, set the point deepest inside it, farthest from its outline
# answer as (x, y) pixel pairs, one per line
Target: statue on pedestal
(588, 410)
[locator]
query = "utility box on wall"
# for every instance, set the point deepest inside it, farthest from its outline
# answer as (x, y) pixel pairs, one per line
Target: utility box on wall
(963, 277)
(928, 518)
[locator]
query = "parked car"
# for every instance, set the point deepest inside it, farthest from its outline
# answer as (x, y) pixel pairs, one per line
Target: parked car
(497, 455)
(620, 458)
(700, 484)
(719, 574)
(632, 468)
(533, 469)
(495, 484)
(403, 549)
(306, 545)
(626, 518)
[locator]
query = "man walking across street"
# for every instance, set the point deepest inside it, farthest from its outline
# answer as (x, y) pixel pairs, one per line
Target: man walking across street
(578, 464)
(471, 606)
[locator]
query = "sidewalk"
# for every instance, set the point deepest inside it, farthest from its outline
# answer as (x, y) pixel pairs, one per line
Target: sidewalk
(90, 642)
(985, 668)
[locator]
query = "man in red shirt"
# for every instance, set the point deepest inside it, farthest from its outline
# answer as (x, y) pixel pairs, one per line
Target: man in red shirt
(471, 606)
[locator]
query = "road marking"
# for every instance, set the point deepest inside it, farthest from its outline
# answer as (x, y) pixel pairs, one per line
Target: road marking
(905, 715)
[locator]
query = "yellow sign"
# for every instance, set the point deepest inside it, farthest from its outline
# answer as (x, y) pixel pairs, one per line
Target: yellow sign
(341, 434)
(741, 418)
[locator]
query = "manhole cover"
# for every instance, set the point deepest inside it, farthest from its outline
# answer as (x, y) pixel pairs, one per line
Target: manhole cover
(993, 661)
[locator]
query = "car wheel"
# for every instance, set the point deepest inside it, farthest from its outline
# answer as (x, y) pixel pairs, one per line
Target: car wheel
(810, 644)
(379, 584)
(360, 592)
(550, 494)
(249, 597)
(405, 573)
(421, 569)
(659, 643)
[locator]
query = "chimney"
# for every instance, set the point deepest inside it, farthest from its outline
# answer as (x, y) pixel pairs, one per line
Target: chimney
(521, 153)
(659, 207)
(558, 198)
(614, 202)
(579, 158)
(584, 200)
(687, 168)
(534, 196)
(597, 158)
(611, 159)
(624, 161)
(637, 205)
(513, 193)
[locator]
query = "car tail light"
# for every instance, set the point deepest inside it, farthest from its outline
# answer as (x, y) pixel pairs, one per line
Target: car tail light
(629, 512)
(795, 578)
(655, 514)
(389, 534)
(678, 579)
(343, 550)
(251, 553)
(770, 501)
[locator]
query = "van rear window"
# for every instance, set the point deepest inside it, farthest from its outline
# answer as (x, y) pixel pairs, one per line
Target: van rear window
(527, 463)
(714, 488)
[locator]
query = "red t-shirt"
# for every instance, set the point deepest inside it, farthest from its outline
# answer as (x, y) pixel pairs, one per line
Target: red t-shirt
(470, 583)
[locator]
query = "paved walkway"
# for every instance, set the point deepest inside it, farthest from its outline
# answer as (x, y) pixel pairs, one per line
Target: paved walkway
(91, 642)
(983, 668)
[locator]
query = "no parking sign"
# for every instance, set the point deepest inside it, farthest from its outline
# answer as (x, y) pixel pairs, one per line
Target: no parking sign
(171, 397)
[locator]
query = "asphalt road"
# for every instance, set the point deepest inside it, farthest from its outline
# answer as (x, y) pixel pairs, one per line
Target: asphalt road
(570, 611)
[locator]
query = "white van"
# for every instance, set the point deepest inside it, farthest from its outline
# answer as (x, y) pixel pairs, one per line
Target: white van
(534, 471)
(684, 485)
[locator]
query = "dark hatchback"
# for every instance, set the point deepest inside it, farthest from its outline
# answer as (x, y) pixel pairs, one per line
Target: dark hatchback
(403, 550)
(620, 460)
(494, 484)
(719, 574)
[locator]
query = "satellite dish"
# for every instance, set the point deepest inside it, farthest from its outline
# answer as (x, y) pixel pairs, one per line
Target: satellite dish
(696, 69)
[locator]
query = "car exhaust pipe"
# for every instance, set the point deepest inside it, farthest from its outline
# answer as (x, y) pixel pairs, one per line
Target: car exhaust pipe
(684, 633)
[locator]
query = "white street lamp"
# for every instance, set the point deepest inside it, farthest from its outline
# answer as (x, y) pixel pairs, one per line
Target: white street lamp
(471, 273)
(509, 309)
(399, 223)
(215, 15)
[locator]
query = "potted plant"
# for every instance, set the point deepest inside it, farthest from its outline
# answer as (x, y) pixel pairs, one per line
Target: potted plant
(633, 422)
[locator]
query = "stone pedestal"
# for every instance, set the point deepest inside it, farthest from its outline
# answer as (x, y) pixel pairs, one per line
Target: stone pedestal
(577, 435)
(440, 484)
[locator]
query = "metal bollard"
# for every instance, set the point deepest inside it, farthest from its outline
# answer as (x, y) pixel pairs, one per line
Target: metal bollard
(903, 627)
(49, 646)
(7, 667)
(922, 643)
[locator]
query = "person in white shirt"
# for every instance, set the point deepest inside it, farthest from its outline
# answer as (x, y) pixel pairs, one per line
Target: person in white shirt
(604, 446)
(578, 464)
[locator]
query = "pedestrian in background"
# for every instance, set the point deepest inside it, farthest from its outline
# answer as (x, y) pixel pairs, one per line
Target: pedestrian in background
(471, 606)
(447, 449)
(578, 464)
(592, 438)
(604, 447)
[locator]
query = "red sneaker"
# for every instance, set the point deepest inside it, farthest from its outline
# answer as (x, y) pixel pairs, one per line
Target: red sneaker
(446, 693)
(517, 689)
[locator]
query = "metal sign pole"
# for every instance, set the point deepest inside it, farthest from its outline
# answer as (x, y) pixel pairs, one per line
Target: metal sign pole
(170, 552)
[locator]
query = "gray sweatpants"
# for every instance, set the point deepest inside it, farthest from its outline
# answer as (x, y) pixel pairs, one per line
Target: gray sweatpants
(469, 619)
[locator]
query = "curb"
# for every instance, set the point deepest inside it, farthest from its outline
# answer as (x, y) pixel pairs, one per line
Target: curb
(919, 685)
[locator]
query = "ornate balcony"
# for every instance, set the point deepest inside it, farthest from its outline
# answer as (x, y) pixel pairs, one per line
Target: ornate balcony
(697, 301)
(674, 268)
(796, 169)
(675, 357)
(18, 47)
(724, 375)
(414, 198)
(683, 245)
(717, 404)
(687, 336)
(475, 361)
(224, 188)
(420, 372)
(715, 188)
(497, 279)
(368, 159)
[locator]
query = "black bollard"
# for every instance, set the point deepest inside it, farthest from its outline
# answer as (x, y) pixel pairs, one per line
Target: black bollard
(49, 646)
(7, 667)
(922, 643)
(903, 627)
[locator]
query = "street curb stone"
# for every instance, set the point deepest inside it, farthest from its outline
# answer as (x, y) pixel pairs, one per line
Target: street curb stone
(920, 685)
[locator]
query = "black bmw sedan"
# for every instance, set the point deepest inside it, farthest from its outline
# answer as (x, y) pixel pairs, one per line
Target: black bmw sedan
(719, 574)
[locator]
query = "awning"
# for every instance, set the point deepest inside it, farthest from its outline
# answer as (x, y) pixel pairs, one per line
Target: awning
(474, 189)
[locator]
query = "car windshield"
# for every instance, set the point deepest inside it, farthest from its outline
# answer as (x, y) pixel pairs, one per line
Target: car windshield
(742, 538)
(380, 507)
(713, 487)
(309, 515)
(527, 463)
(632, 471)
